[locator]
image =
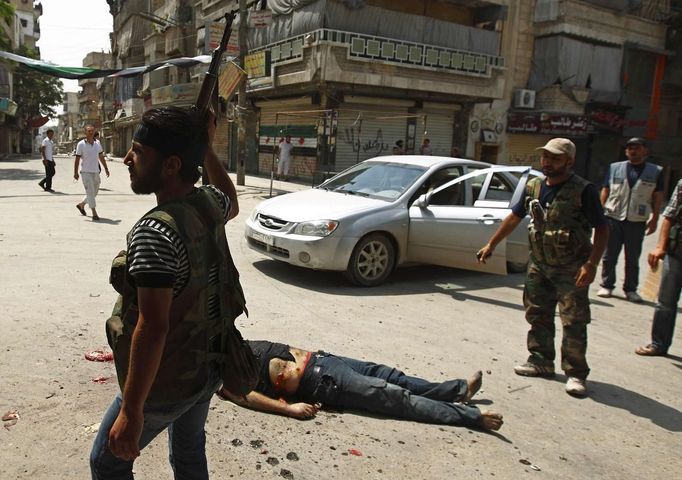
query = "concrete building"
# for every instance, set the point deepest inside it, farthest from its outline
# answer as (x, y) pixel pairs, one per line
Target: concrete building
(491, 80)
(89, 97)
(24, 30)
(69, 129)
(591, 71)
(347, 80)
(147, 32)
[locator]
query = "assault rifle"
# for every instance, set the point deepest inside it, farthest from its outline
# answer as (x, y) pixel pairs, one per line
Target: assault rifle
(208, 87)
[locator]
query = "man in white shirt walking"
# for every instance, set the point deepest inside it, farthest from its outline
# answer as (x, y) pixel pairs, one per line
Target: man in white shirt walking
(90, 152)
(284, 149)
(46, 151)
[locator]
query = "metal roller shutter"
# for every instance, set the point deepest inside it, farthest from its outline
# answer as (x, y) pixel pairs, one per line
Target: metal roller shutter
(438, 128)
(269, 110)
(374, 136)
(521, 149)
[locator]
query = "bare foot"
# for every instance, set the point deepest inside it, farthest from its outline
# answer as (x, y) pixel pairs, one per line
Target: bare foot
(491, 420)
(473, 385)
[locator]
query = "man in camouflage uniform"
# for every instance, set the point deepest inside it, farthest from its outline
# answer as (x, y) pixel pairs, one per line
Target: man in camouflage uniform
(179, 292)
(564, 208)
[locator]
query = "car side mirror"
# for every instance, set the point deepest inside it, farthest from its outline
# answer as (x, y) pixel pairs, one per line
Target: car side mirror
(422, 201)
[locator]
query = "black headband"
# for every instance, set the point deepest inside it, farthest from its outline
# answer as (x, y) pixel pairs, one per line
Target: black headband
(154, 137)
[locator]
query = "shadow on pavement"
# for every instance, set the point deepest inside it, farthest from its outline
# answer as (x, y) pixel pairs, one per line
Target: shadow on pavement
(20, 174)
(615, 396)
(13, 158)
(405, 281)
(105, 220)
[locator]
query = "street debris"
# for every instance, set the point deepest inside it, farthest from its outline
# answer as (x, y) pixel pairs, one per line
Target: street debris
(286, 474)
(11, 418)
(292, 456)
(101, 379)
(99, 356)
(94, 428)
(355, 452)
(519, 389)
(272, 461)
(256, 443)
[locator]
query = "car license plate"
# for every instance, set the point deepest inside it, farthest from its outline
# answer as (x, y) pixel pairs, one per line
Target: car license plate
(261, 237)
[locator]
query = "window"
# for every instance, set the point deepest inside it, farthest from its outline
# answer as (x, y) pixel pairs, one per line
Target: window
(500, 189)
(24, 22)
(454, 194)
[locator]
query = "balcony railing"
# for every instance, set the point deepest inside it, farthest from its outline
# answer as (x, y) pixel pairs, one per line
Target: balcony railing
(390, 51)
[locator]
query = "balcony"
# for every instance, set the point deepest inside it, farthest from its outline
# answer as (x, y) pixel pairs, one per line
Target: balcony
(179, 94)
(154, 47)
(584, 20)
(388, 62)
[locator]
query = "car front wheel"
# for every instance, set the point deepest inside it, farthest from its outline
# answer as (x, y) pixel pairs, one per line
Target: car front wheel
(372, 261)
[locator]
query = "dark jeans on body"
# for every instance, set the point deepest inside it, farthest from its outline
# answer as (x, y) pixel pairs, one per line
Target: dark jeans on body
(46, 182)
(630, 235)
(666, 308)
(342, 382)
(185, 422)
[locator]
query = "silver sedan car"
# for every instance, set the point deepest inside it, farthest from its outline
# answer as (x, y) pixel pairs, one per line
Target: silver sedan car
(395, 210)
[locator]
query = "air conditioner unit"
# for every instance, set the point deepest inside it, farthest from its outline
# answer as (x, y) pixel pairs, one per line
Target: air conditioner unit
(524, 98)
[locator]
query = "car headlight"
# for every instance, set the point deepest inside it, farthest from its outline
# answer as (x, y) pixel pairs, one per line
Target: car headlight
(254, 215)
(316, 228)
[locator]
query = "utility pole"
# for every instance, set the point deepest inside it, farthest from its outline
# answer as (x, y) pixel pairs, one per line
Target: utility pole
(241, 102)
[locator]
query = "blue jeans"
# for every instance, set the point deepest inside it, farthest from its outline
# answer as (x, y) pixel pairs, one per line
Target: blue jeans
(348, 383)
(666, 308)
(630, 235)
(186, 437)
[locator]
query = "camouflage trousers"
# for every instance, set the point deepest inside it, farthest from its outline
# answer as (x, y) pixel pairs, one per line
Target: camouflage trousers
(545, 287)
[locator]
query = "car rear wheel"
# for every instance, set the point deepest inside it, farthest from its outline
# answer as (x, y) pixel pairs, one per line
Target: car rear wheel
(372, 261)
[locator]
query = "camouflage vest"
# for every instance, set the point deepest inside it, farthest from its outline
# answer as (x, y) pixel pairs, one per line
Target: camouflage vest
(565, 235)
(194, 340)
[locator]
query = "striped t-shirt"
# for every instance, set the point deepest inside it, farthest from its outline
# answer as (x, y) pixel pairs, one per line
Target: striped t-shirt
(157, 257)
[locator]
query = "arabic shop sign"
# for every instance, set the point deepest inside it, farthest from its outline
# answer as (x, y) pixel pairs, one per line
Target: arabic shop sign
(548, 124)
(178, 94)
(257, 64)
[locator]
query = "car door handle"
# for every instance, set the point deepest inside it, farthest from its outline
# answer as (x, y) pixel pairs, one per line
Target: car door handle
(488, 219)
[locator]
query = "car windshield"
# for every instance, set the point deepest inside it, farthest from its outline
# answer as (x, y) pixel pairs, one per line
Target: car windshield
(381, 180)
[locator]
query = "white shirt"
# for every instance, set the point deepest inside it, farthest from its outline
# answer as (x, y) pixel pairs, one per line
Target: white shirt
(89, 153)
(47, 143)
(285, 151)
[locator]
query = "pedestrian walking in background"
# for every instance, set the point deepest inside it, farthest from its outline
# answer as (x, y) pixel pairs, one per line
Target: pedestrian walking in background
(47, 152)
(632, 195)
(179, 294)
(89, 155)
(564, 209)
(669, 249)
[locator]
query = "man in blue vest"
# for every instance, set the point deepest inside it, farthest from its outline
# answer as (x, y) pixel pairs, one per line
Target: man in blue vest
(632, 195)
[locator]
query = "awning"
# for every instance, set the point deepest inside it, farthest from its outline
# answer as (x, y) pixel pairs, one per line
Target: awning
(36, 122)
(77, 73)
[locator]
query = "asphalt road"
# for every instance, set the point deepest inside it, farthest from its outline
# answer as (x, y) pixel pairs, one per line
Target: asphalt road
(433, 322)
